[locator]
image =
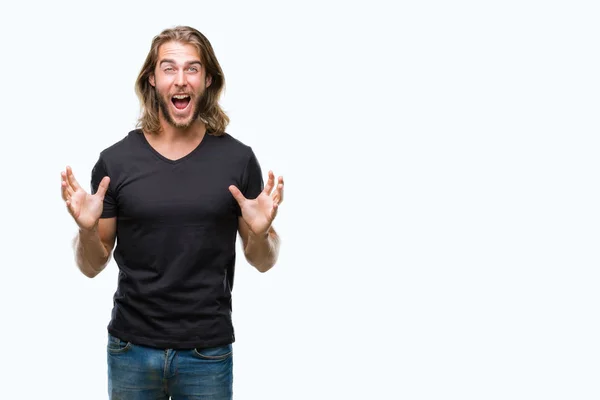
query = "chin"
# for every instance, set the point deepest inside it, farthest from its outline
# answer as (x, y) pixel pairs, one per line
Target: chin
(181, 122)
(182, 125)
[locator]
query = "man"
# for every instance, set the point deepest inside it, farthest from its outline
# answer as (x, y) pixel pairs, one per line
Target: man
(173, 195)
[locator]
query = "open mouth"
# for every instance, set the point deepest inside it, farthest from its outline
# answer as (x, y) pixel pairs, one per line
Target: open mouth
(180, 101)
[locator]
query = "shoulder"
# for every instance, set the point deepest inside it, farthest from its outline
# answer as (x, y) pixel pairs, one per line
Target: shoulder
(231, 145)
(112, 158)
(122, 148)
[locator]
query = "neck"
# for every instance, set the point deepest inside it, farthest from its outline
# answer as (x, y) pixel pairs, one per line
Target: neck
(169, 133)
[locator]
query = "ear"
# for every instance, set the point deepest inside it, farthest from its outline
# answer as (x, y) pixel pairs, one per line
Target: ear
(151, 80)
(208, 80)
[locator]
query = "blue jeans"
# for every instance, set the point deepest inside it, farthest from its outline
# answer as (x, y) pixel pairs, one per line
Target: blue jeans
(143, 373)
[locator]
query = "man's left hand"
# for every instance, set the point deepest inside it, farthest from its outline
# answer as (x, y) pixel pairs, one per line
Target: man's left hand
(259, 213)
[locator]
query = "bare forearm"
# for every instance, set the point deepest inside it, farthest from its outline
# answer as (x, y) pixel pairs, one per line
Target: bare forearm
(90, 254)
(262, 252)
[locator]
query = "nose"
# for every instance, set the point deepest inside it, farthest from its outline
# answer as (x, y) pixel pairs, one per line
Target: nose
(180, 80)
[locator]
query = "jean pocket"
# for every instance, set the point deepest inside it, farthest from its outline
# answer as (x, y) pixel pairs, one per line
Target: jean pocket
(214, 353)
(116, 345)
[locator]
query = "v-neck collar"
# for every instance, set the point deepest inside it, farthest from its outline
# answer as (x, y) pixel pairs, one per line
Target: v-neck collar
(169, 160)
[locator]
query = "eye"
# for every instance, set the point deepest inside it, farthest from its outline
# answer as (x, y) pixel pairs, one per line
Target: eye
(169, 69)
(193, 69)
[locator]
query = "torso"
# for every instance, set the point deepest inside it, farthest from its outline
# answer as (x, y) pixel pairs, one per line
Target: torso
(176, 235)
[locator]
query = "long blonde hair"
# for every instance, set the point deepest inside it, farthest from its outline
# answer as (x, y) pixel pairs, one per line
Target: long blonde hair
(210, 111)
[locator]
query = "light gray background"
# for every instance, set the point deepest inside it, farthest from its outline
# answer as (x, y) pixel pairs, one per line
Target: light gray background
(440, 227)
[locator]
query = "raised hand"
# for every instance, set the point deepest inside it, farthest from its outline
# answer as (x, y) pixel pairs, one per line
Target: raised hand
(259, 213)
(83, 207)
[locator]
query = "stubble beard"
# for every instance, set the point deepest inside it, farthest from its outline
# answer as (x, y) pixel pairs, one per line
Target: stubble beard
(166, 111)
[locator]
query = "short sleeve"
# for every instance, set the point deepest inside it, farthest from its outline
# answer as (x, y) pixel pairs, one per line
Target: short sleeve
(252, 181)
(110, 204)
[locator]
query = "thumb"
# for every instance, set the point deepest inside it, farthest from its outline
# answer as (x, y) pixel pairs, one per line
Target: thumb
(237, 195)
(103, 187)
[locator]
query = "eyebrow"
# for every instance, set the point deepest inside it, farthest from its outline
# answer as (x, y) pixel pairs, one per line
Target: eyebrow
(169, 61)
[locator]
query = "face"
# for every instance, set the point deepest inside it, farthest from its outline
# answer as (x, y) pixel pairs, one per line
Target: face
(180, 82)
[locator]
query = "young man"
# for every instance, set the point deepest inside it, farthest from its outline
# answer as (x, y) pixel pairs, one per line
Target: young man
(173, 195)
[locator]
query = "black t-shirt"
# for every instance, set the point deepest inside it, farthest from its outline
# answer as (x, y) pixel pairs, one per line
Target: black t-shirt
(176, 234)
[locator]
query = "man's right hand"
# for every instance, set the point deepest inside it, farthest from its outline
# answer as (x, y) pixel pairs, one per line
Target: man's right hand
(85, 208)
